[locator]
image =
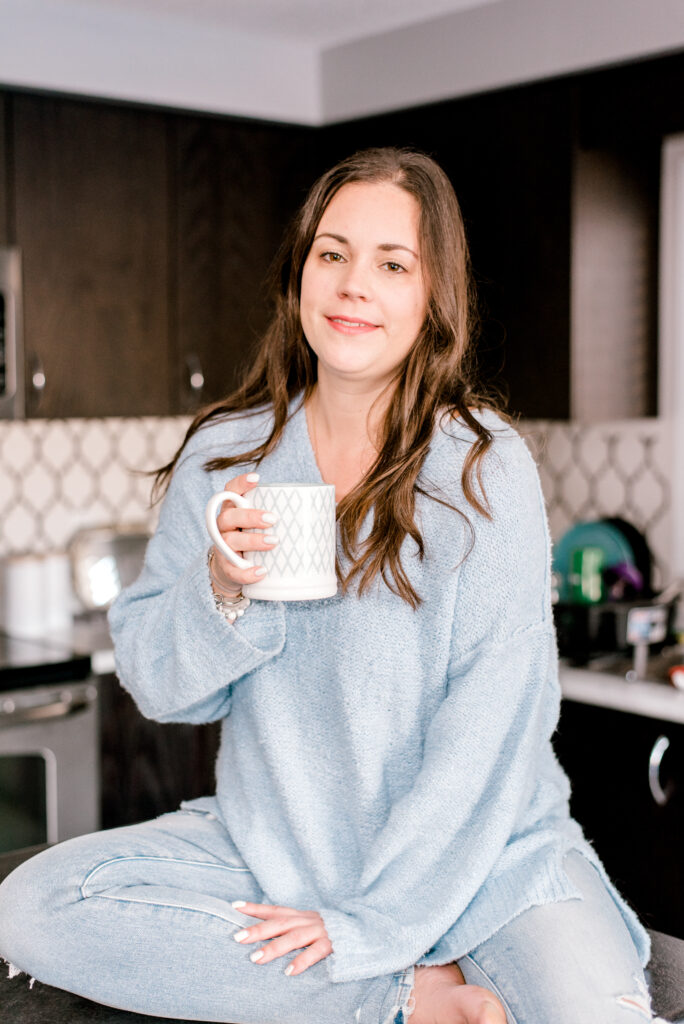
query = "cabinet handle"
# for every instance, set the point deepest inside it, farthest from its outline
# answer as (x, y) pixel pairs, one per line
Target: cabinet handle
(660, 795)
(38, 378)
(195, 375)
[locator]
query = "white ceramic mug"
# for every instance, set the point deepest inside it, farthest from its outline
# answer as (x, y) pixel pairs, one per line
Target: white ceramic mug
(301, 567)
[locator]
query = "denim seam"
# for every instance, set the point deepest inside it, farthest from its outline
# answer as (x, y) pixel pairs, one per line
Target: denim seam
(494, 987)
(169, 906)
(162, 860)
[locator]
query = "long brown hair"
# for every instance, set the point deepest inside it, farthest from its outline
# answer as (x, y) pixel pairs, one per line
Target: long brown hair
(437, 375)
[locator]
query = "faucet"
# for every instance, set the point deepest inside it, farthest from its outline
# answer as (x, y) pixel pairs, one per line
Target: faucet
(648, 624)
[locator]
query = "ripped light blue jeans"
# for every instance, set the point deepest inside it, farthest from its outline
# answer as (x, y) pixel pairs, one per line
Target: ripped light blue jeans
(140, 918)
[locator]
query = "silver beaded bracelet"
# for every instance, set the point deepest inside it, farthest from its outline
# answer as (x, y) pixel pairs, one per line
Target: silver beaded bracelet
(231, 607)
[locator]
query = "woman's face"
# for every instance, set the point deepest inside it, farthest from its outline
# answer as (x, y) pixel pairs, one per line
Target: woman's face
(364, 296)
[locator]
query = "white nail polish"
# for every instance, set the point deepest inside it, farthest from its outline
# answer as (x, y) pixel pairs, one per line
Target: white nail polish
(289, 970)
(252, 478)
(260, 571)
(256, 956)
(270, 538)
(240, 936)
(238, 904)
(268, 517)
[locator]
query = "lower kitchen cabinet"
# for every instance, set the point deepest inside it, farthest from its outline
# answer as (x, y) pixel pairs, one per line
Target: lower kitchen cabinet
(148, 768)
(627, 777)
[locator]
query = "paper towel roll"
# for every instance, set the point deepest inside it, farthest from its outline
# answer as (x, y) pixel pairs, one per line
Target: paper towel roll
(58, 593)
(23, 597)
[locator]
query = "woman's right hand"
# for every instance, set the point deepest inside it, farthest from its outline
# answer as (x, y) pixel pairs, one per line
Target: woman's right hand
(231, 521)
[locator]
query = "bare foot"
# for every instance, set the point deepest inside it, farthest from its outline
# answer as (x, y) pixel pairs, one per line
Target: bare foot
(442, 997)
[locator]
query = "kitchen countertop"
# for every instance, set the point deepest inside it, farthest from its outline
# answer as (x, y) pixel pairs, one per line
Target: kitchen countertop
(89, 634)
(608, 690)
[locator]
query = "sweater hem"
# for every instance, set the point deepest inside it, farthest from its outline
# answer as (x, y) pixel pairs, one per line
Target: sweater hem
(550, 884)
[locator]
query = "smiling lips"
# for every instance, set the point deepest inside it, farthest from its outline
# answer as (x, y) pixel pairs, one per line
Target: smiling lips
(345, 325)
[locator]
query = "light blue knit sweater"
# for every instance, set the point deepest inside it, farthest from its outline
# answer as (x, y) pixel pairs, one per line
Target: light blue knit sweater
(389, 768)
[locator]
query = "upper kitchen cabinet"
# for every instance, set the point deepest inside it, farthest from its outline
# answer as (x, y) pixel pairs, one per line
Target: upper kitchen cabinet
(91, 218)
(508, 155)
(561, 209)
(146, 238)
(235, 186)
(634, 104)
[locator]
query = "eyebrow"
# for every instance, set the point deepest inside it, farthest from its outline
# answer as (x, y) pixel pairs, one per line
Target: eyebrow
(384, 246)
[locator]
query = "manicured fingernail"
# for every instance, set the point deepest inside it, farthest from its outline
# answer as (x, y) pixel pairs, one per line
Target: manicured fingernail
(270, 538)
(268, 517)
(238, 904)
(289, 970)
(240, 936)
(252, 478)
(260, 571)
(256, 956)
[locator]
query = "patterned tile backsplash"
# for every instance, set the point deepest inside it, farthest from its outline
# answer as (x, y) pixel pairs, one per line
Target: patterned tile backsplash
(621, 469)
(57, 476)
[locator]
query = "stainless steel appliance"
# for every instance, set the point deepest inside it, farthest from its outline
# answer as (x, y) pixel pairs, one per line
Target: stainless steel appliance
(49, 746)
(11, 336)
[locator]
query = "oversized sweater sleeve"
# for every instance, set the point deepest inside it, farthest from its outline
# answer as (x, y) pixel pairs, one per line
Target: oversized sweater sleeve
(175, 654)
(443, 837)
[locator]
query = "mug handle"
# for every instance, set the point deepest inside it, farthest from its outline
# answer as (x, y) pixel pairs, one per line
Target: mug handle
(213, 506)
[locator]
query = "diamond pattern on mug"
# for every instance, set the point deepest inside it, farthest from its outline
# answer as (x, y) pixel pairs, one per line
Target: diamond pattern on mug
(308, 547)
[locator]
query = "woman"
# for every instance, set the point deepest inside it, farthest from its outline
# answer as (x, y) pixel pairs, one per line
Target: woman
(390, 834)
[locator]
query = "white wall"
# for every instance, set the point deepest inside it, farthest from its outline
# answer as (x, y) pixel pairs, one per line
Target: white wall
(499, 44)
(671, 385)
(72, 47)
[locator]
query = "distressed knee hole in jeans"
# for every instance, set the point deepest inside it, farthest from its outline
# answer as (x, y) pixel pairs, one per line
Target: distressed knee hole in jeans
(15, 972)
(403, 1001)
(639, 1001)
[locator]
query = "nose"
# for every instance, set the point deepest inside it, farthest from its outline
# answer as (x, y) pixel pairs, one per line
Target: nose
(355, 281)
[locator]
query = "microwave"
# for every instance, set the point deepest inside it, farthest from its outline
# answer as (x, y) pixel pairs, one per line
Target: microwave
(11, 337)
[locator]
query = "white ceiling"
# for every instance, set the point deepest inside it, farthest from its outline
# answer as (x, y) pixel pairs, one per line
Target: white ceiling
(318, 61)
(321, 22)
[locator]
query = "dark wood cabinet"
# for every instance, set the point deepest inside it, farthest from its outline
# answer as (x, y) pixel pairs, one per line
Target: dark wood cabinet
(508, 155)
(146, 239)
(91, 219)
(235, 186)
(147, 236)
(627, 777)
(524, 163)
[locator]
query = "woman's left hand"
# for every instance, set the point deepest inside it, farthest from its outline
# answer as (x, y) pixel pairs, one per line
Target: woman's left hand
(295, 929)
